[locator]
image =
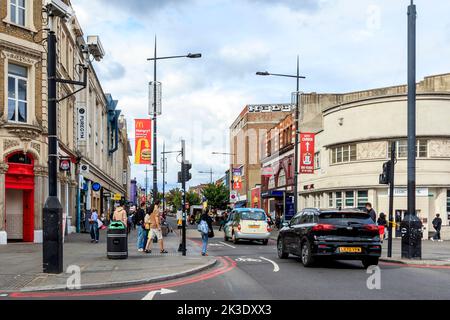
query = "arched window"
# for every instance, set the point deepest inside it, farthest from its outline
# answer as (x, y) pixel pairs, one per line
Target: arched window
(281, 178)
(20, 158)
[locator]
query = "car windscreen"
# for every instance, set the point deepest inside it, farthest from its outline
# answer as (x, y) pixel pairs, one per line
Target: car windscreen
(253, 215)
(345, 218)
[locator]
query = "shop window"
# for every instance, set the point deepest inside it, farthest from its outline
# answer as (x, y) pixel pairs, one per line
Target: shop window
(349, 199)
(363, 198)
(339, 199)
(330, 200)
(17, 93)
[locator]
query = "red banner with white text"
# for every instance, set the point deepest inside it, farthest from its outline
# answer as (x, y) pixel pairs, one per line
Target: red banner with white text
(307, 153)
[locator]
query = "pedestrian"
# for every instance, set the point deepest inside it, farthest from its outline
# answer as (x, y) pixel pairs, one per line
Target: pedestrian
(155, 230)
(139, 217)
(222, 221)
(120, 214)
(437, 223)
(206, 229)
(371, 212)
(382, 225)
(93, 221)
(278, 221)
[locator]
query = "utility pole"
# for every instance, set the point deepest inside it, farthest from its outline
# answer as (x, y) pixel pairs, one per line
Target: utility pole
(183, 187)
(391, 198)
(155, 140)
(210, 172)
(164, 159)
(297, 134)
(411, 226)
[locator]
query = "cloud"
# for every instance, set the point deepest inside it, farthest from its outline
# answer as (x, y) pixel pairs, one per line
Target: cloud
(307, 5)
(111, 70)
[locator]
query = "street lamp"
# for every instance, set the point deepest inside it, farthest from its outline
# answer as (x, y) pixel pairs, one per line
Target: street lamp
(155, 153)
(297, 131)
(209, 172)
(164, 171)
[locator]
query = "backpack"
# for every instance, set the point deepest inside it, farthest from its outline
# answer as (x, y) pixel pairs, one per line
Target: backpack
(203, 227)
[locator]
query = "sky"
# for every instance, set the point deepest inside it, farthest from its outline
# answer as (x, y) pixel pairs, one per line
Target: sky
(344, 46)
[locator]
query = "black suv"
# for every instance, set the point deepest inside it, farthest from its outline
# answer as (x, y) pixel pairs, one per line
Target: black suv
(347, 234)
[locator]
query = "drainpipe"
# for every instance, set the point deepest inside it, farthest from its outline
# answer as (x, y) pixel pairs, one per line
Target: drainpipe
(116, 132)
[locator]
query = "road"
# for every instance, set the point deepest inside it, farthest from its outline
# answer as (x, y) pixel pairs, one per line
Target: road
(253, 271)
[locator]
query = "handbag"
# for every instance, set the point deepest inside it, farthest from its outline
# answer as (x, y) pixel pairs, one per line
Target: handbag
(210, 234)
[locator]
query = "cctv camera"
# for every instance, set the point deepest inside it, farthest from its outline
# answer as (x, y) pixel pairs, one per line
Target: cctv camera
(58, 8)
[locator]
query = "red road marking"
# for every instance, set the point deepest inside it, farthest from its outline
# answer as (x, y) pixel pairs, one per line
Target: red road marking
(228, 264)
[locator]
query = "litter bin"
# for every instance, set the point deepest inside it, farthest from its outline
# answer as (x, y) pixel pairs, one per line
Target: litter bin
(117, 243)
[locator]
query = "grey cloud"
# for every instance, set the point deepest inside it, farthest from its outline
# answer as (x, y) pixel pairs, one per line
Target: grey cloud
(142, 6)
(111, 70)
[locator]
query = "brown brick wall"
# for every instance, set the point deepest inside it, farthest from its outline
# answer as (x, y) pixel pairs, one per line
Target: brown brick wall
(20, 32)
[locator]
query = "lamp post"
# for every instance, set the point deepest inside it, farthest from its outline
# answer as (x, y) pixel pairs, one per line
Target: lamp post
(155, 141)
(164, 159)
(297, 129)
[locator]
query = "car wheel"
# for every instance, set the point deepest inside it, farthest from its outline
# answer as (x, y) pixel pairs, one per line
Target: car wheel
(282, 254)
(265, 242)
(307, 258)
(370, 262)
(234, 239)
(225, 238)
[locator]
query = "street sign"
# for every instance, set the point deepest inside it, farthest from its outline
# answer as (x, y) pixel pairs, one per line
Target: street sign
(307, 153)
(233, 196)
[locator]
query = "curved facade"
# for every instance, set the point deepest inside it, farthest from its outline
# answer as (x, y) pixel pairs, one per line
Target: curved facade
(353, 142)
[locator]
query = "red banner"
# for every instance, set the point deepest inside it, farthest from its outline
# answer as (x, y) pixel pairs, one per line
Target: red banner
(307, 153)
(143, 138)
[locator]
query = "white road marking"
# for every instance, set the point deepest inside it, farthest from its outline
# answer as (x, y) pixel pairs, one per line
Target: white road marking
(276, 268)
(243, 259)
(215, 245)
(151, 294)
(4, 295)
(228, 245)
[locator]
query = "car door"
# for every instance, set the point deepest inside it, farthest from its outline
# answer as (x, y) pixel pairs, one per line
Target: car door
(290, 233)
(227, 228)
(299, 231)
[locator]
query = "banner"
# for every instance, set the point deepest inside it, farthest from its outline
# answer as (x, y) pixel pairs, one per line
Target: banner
(307, 153)
(143, 138)
(82, 123)
(237, 178)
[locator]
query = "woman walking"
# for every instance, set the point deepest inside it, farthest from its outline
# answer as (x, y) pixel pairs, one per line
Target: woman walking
(382, 225)
(206, 229)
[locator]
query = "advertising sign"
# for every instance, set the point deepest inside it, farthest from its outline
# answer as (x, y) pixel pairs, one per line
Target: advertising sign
(82, 123)
(64, 164)
(289, 208)
(117, 197)
(256, 197)
(143, 135)
(237, 178)
(307, 153)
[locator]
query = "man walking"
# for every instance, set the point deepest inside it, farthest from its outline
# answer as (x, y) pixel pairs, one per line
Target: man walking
(139, 217)
(371, 212)
(155, 230)
(93, 221)
(437, 223)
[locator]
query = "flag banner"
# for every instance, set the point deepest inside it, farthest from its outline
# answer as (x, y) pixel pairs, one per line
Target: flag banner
(307, 153)
(143, 138)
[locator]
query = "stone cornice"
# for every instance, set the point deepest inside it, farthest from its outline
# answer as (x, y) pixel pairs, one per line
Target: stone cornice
(25, 132)
(3, 168)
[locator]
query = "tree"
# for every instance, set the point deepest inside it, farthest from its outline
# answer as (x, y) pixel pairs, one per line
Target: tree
(193, 198)
(217, 196)
(174, 198)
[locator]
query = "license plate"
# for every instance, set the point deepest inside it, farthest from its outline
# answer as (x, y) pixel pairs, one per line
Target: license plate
(253, 227)
(350, 250)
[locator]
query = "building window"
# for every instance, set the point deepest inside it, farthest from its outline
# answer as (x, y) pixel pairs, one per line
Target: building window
(339, 199)
(330, 200)
(363, 198)
(317, 201)
(401, 148)
(17, 93)
(349, 199)
(17, 8)
(343, 154)
(317, 160)
(448, 202)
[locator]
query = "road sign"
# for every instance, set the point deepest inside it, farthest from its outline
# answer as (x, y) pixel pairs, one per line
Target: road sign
(96, 186)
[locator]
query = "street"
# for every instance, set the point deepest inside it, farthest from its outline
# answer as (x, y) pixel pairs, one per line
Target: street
(249, 270)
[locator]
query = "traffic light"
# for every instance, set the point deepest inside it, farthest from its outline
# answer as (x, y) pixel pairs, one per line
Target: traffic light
(385, 177)
(185, 175)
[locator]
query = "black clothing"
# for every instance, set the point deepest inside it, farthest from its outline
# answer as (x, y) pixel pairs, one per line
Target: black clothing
(382, 221)
(139, 217)
(372, 214)
(437, 223)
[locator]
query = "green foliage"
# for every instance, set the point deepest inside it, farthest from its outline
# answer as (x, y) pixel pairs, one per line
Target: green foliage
(174, 198)
(193, 198)
(217, 196)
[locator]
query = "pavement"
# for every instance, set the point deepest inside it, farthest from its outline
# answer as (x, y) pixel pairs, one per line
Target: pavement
(21, 264)
(433, 253)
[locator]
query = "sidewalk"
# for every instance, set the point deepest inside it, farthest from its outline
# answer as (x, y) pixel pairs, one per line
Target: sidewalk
(21, 264)
(433, 253)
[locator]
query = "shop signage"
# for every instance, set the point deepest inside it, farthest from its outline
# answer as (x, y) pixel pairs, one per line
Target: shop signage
(270, 108)
(289, 210)
(96, 186)
(117, 197)
(82, 122)
(64, 164)
(143, 146)
(403, 192)
(267, 171)
(307, 153)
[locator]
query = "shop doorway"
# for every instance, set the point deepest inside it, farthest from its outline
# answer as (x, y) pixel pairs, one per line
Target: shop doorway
(19, 198)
